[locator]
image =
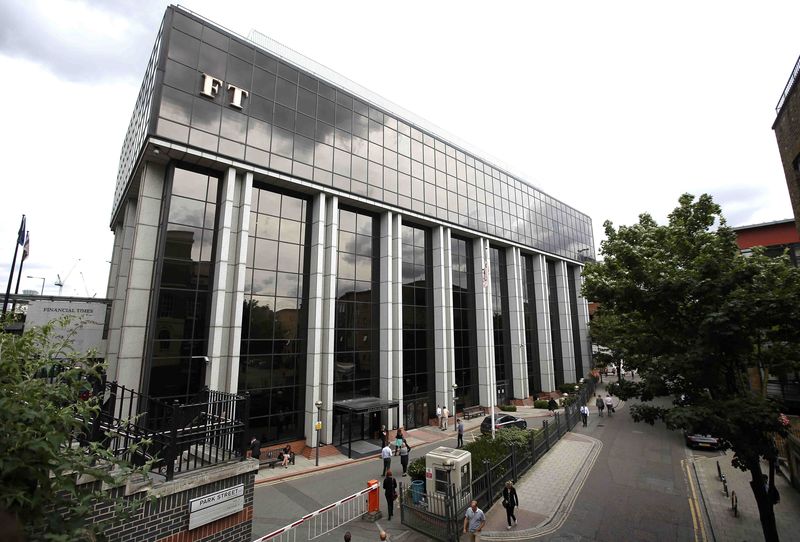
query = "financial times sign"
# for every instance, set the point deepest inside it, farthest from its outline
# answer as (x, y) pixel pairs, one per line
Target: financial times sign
(91, 317)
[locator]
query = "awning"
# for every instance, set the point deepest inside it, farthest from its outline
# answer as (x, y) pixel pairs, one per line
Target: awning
(364, 405)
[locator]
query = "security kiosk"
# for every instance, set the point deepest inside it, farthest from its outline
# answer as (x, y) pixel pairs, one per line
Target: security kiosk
(448, 466)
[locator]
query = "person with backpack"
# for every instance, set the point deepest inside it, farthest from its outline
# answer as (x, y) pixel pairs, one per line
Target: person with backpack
(600, 405)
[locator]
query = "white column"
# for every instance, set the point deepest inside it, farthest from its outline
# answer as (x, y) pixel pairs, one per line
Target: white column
(219, 329)
(133, 327)
(397, 316)
(238, 273)
(442, 317)
(542, 297)
(484, 326)
(583, 324)
(565, 322)
(125, 231)
(386, 312)
(316, 302)
(328, 347)
(519, 358)
(448, 311)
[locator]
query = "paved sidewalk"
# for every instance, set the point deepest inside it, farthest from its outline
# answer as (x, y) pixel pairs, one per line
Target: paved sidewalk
(547, 491)
(747, 526)
(415, 437)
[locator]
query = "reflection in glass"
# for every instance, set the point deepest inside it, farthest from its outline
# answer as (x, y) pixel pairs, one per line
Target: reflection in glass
(274, 318)
(356, 323)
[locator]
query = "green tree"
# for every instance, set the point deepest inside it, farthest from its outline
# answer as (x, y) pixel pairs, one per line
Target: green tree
(680, 304)
(46, 405)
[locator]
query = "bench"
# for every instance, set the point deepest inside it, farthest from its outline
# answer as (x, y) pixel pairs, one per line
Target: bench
(274, 457)
(473, 411)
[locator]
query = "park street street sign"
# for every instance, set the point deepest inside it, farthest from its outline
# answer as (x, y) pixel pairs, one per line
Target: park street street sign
(213, 506)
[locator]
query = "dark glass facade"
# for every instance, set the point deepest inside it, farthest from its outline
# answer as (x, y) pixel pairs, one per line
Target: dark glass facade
(502, 335)
(531, 324)
(576, 332)
(272, 365)
(179, 342)
(417, 326)
(555, 327)
(356, 369)
(464, 344)
(296, 123)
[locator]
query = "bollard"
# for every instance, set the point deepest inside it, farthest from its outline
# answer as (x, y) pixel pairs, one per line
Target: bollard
(374, 498)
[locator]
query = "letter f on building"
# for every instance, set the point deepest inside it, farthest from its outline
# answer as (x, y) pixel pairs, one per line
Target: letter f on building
(211, 86)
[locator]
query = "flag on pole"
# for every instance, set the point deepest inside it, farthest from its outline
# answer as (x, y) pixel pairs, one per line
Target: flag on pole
(21, 234)
(26, 248)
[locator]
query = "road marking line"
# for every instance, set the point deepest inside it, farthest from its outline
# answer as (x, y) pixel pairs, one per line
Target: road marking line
(694, 505)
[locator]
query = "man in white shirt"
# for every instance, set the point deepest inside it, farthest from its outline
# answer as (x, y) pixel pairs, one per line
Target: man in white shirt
(609, 404)
(584, 414)
(439, 415)
(445, 416)
(386, 455)
(474, 520)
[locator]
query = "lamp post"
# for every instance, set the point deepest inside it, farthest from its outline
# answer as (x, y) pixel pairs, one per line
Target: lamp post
(317, 427)
(40, 278)
(455, 425)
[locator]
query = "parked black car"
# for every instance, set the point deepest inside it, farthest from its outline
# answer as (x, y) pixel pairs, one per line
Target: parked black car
(502, 421)
(702, 441)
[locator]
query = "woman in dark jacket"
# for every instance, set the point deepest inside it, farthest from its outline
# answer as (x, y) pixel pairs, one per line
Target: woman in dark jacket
(510, 501)
(390, 491)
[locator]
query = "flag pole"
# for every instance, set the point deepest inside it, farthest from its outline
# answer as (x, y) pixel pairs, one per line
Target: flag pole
(19, 276)
(13, 265)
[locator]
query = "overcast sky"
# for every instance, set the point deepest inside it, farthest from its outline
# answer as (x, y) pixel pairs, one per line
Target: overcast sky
(615, 108)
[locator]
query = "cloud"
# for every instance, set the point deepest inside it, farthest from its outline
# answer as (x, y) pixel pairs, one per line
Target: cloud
(81, 40)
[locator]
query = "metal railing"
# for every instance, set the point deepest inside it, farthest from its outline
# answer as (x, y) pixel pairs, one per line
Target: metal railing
(440, 517)
(789, 85)
(208, 429)
(324, 520)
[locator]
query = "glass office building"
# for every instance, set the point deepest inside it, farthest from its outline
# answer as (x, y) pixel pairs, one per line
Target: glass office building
(281, 231)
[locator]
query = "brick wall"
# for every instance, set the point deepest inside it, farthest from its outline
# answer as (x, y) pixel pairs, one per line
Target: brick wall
(787, 132)
(163, 514)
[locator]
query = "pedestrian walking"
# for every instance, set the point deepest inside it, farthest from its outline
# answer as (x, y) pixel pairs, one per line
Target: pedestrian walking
(552, 406)
(404, 450)
(439, 415)
(347, 536)
(384, 436)
(510, 501)
(386, 455)
(609, 404)
(600, 405)
(460, 430)
(445, 418)
(398, 440)
(584, 414)
(474, 520)
(255, 448)
(382, 535)
(390, 491)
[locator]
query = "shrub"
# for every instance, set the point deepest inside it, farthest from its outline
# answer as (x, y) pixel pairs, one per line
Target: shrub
(540, 403)
(567, 387)
(495, 450)
(566, 401)
(508, 408)
(416, 469)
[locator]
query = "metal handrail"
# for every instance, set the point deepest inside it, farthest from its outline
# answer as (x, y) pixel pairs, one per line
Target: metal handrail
(789, 85)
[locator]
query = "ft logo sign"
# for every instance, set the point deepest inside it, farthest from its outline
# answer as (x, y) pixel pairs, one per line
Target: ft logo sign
(212, 86)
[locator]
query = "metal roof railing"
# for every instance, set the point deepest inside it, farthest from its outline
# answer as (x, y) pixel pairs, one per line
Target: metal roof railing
(789, 85)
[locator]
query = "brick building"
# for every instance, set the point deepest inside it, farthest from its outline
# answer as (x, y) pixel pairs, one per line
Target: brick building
(787, 132)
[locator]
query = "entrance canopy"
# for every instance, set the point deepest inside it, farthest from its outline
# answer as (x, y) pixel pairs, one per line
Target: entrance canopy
(359, 407)
(364, 405)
